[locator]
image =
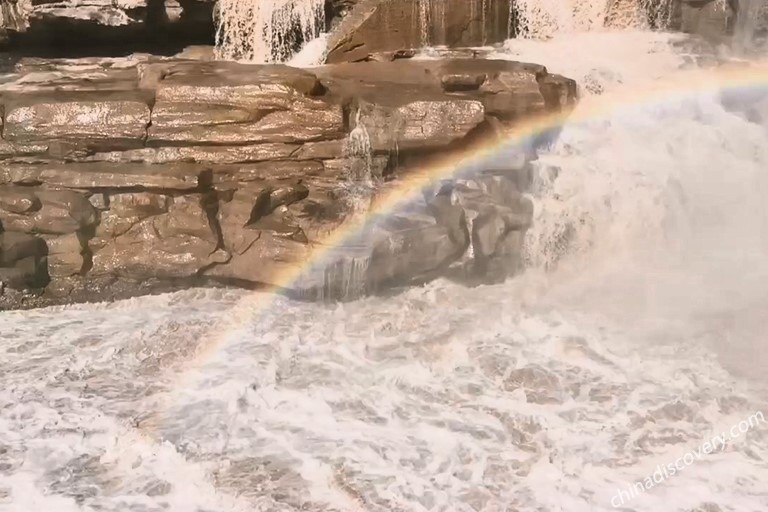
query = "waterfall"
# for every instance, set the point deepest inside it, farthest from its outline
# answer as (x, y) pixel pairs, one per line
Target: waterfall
(747, 20)
(266, 30)
(358, 154)
(345, 279)
(542, 19)
(424, 17)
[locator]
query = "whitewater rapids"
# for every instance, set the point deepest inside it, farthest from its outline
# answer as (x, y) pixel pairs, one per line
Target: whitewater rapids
(637, 333)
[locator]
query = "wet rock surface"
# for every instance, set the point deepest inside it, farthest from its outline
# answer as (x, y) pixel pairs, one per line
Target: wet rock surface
(152, 173)
(711, 19)
(373, 26)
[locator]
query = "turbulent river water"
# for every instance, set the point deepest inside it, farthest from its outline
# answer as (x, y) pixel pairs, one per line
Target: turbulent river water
(638, 333)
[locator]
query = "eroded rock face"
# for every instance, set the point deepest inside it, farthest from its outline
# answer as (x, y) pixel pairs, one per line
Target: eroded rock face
(58, 212)
(374, 26)
(712, 19)
(719, 21)
(93, 121)
(150, 173)
(224, 103)
(175, 175)
(67, 255)
(22, 260)
(159, 236)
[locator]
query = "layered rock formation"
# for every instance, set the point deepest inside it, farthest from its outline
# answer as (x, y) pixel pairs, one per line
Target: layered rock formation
(123, 176)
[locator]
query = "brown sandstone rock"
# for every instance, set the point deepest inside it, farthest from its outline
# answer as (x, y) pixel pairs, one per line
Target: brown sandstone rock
(19, 200)
(17, 246)
(262, 171)
(378, 25)
(22, 260)
(235, 215)
(321, 150)
(433, 103)
(268, 261)
(326, 208)
(51, 77)
(173, 176)
(248, 168)
(712, 19)
(201, 154)
(227, 103)
(412, 247)
(176, 244)
(126, 210)
(260, 207)
(9, 151)
(65, 254)
(60, 212)
(95, 121)
(418, 124)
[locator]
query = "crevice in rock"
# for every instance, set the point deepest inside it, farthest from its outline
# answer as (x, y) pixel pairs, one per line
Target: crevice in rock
(231, 282)
(86, 236)
(210, 204)
(261, 208)
(146, 30)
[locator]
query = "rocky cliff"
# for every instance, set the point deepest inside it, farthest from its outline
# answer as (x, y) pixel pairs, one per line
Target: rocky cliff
(121, 176)
(357, 28)
(381, 25)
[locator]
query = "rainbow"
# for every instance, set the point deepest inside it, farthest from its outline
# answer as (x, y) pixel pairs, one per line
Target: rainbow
(736, 78)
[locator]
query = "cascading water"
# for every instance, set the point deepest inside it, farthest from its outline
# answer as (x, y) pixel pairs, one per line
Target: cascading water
(266, 30)
(537, 19)
(637, 333)
(345, 278)
(749, 16)
(359, 155)
(544, 18)
(424, 17)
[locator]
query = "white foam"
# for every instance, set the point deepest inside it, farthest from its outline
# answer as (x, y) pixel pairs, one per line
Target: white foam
(266, 30)
(549, 392)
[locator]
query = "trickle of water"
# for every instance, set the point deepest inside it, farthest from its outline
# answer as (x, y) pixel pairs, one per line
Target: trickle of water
(359, 155)
(431, 18)
(345, 279)
(266, 30)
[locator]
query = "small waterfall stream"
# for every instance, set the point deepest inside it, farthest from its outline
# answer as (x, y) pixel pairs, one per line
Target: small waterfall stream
(266, 30)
